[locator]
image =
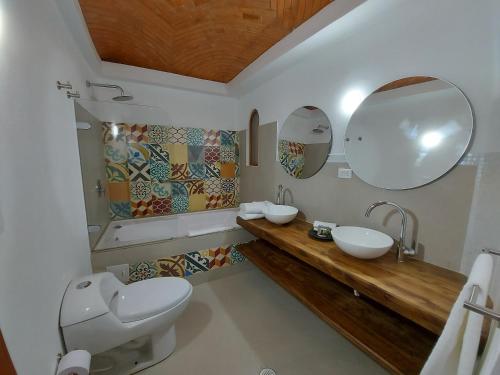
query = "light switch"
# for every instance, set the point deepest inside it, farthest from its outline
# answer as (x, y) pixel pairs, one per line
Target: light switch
(344, 173)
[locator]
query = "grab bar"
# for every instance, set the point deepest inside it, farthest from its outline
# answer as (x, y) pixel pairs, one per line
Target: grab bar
(472, 306)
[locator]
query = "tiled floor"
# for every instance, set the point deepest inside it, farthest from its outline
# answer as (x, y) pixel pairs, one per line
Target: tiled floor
(239, 321)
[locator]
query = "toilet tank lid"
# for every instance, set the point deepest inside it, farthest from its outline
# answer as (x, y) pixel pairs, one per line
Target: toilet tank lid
(88, 297)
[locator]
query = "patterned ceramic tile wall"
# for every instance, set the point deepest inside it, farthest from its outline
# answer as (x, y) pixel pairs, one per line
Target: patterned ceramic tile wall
(291, 155)
(185, 265)
(155, 170)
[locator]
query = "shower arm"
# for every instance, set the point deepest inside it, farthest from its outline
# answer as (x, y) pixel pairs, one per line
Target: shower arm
(93, 84)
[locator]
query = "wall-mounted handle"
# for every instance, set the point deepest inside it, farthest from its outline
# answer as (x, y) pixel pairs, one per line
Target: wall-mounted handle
(61, 85)
(73, 95)
(99, 188)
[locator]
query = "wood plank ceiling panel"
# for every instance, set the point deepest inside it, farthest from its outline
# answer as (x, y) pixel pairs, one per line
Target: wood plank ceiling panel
(208, 39)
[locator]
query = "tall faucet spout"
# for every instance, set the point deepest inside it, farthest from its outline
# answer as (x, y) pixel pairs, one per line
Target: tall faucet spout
(402, 250)
(280, 198)
(372, 206)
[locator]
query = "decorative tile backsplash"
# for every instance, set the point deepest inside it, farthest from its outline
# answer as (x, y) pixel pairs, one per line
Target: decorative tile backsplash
(157, 170)
(292, 158)
(185, 265)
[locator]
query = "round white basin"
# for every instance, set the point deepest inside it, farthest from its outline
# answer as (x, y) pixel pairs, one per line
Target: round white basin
(362, 243)
(280, 214)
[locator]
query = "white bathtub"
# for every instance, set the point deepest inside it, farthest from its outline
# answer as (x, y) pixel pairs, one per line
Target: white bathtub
(137, 231)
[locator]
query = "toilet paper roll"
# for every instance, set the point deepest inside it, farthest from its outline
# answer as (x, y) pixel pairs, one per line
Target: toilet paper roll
(76, 362)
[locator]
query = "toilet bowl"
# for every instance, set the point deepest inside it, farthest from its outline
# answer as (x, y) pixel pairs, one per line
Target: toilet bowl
(105, 317)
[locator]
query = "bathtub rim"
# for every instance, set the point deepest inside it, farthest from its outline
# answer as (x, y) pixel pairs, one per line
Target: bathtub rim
(109, 249)
(97, 248)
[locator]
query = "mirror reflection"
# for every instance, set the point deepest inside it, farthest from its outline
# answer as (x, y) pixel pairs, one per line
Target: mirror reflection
(304, 142)
(408, 133)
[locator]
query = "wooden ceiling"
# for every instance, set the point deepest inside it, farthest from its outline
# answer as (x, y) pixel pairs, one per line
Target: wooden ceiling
(208, 39)
(403, 82)
(6, 366)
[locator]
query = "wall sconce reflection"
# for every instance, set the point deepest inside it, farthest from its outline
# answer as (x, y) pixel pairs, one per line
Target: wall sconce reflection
(114, 130)
(431, 139)
(351, 101)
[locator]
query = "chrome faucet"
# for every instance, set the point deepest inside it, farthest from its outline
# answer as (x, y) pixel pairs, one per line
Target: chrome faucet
(280, 198)
(402, 249)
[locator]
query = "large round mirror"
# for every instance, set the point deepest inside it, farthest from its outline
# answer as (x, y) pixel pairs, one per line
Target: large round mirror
(408, 133)
(304, 142)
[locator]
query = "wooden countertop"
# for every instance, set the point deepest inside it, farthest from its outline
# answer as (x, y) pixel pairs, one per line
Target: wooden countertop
(399, 345)
(419, 291)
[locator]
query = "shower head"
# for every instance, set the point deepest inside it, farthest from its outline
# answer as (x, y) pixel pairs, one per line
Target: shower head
(120, 98)
(123, 98)
(320, 129)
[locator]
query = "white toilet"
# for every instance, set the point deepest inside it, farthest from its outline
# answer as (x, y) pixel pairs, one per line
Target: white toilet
(117, 322)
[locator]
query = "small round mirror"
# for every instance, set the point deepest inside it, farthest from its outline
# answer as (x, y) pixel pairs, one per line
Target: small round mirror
(304, 142)
(408, 133)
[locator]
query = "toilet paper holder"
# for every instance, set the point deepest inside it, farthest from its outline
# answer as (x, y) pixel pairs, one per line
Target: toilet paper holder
(74, 362)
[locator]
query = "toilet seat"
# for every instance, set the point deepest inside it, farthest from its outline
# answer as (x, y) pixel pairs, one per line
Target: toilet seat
(147, 298)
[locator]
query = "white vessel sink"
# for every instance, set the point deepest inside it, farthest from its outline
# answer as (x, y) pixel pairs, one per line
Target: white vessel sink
(280, 214)
(362, 243)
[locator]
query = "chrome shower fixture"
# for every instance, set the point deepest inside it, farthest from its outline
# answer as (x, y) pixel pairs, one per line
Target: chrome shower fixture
(320, 129)
(73, 95)
(64, 85)
(120, 98)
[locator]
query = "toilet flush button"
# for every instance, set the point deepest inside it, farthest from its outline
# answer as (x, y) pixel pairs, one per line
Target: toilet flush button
(83, 285)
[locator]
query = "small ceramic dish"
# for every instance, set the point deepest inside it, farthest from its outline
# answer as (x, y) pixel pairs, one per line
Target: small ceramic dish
(313, 234)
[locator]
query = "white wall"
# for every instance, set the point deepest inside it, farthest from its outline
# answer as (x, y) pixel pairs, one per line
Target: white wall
(174, 106)
(43, 239)
(383, 40)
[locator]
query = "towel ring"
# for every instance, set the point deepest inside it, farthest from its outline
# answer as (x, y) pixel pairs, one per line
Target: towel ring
(472, 306)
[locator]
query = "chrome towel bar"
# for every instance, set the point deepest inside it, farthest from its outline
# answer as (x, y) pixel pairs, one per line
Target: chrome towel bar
(472, 306)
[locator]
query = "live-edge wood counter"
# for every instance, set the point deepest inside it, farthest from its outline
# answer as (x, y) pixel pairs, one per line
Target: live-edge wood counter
(419, 291)
(403, 306)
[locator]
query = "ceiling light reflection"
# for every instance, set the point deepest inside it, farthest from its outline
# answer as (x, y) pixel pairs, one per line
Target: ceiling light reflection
(431, 139)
